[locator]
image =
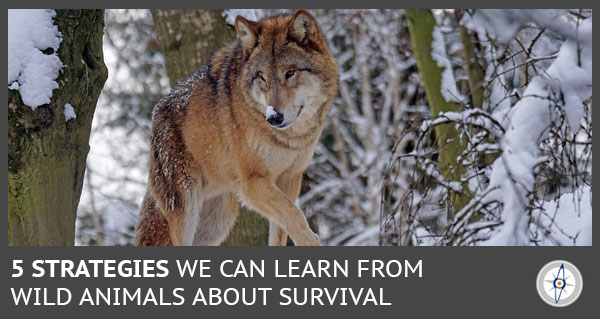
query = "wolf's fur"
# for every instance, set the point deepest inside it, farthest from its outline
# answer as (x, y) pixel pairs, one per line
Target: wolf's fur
(211, 144)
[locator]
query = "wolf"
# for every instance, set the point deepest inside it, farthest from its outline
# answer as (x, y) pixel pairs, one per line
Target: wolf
(243, 128)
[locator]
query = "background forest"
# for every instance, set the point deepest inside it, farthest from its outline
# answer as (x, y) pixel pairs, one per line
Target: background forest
(451, 127)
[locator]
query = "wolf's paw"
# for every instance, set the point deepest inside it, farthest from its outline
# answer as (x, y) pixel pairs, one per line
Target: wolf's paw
(310, 241)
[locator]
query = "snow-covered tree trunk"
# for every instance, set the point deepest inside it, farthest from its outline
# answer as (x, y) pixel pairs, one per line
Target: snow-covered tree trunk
(48, 143)
(472, 67)
(421, 25)
(187, 38)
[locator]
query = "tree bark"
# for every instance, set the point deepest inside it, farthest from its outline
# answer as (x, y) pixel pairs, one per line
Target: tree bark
(420, 25)
(46, 154)
(475, 75)
(187, 38)
(475, 72)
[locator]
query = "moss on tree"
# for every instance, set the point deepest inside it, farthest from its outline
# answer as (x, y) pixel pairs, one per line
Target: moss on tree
(420, 25)
(187, 38)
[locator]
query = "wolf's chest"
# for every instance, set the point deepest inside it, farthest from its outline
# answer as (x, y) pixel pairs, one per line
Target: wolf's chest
(279, 159)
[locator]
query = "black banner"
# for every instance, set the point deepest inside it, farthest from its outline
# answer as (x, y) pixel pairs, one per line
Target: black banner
(354, 281)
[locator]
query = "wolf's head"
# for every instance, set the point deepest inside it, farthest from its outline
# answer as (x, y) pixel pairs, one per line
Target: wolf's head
(289, 72)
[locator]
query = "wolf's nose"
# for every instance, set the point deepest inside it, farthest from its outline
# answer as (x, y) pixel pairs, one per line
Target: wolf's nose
(273, 117)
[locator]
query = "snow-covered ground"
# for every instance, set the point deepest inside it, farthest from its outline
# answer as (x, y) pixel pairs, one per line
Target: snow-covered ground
(565, 222)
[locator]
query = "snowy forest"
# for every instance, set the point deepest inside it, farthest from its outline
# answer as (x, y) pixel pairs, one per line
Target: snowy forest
(451, 126)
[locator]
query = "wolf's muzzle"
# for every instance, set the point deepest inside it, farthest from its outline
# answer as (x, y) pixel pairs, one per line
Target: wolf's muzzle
(273, 117)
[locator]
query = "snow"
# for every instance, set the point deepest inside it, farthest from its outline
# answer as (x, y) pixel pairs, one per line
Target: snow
(512, 178)
(270, 112)
(69, 112)
(569, 220)
(367, 237)
(473, 116)
(575, 80)
(503, 24)
(494, 23)
(250, 14)
(343, 184)
(31, 71)
(438, 53)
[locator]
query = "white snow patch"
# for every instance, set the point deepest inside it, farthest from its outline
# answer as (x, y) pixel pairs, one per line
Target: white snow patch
(69, 112)
(368, 237)
(438, 53)
(14, 86)
(569, 220)
(30, 32)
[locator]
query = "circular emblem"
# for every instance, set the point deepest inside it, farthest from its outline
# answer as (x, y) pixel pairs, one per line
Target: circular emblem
(559, 283)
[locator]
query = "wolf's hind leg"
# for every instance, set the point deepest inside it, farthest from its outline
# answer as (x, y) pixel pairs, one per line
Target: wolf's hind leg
(152, 228)
(216, 218)
(183, 222)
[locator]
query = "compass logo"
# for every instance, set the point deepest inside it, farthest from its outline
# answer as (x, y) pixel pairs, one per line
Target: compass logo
(559, 283)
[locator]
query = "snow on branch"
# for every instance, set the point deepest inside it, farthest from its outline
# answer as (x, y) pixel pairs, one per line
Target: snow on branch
(566, 84)
(527, 154)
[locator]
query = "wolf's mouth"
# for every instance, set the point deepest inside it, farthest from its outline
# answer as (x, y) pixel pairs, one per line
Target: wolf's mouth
(300, 110)
(282, 126)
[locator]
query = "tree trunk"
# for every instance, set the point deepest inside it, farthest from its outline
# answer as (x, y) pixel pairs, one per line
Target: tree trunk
(46, 154)
(475, 73)
(420, 25)
(187, 38)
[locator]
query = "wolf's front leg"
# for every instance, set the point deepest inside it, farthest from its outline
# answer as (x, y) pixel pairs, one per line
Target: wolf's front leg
(277, 236)
(265, 197)
(289, 184)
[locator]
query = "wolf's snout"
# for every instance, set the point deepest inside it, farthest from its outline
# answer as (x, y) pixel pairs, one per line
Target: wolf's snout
(273, 117)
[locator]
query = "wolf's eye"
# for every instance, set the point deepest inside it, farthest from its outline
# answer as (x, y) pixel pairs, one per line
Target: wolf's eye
(260, 76)
(290, 73)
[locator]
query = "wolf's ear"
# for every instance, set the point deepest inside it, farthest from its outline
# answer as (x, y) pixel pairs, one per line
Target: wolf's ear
(303, 28)
(248, 32)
